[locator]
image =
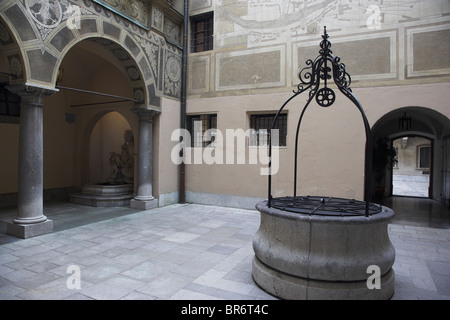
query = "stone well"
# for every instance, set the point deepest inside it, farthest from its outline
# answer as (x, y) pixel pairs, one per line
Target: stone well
(323, 247)
(309, 256)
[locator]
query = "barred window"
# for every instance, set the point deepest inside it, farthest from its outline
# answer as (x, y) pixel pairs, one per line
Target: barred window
(9, 103)
(202, 32)
(261, 125)
(9, 106)
(202, 129)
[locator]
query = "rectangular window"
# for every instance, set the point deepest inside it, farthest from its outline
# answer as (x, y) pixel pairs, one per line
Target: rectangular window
(202, 32)
(261, 123)
(9, 103)
(424, 157)
(202, 129)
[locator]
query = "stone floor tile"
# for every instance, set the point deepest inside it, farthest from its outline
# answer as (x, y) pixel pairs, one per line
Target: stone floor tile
(78, 296)
(113, 288)
(217, 292)
(5, 258)
(192, 295)
(222, 249)
(18, 275)
(160, 245)
(240, 276)
(442, 283)
(165, 285)
(439, 268)
(36, 280)
(92, 260)
(198, 230)
(113, 252)
(40, 267)
(135, 295)
(10, 292)
(149, 270)
(210, 277)
(260, 294)
(134, 257)
(178, 255)
(233, 286)
(53, 290)
(100, 272)
(424, 283)
(181, 237)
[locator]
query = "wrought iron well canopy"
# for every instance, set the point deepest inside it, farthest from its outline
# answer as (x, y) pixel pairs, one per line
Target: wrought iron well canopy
(314, 78)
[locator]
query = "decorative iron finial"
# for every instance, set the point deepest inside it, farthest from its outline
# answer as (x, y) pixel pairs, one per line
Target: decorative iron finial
(323, 68)
(325, 45)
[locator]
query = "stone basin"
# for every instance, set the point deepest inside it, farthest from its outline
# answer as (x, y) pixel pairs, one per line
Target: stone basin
(307, 256)
(104, 195)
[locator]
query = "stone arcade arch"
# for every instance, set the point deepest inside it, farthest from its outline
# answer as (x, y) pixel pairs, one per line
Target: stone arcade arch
(35, 54)
(98, 76)
(427, 123)
(44, 45)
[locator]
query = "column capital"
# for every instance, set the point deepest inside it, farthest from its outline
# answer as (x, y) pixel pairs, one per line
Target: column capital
(31, 94)
(146, 113)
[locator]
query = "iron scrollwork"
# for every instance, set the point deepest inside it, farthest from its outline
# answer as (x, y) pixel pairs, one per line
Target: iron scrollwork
(320, 70)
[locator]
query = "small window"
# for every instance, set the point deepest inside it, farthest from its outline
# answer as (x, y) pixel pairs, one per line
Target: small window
(202, 129)
(9, 103)
(202, 32)
(424, 157)
(261, 123)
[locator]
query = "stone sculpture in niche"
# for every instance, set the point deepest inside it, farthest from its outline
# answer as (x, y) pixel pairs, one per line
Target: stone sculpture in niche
(122, 164)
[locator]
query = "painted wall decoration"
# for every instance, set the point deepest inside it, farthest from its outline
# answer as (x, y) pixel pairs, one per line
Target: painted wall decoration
(268, 22)
(49, 14)
(172, 77)
(123, 26)
(402, 39)
(134, 10)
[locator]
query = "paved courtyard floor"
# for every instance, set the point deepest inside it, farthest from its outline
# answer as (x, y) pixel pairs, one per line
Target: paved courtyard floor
(415, 186)
(182, 252)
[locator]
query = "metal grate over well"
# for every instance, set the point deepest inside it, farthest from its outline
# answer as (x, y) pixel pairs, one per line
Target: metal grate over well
(326, 206)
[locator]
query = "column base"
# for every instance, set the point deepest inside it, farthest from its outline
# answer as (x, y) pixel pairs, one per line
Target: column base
(143, 204)
(25, 231)
(32, 220)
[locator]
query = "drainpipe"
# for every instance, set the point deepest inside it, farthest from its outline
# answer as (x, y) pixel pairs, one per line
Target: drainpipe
(182, 189)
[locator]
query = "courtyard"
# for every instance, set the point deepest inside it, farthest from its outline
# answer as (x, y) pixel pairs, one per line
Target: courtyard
(191, 252)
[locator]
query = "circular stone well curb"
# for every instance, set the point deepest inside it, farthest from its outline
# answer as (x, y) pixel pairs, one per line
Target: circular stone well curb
(300, 256)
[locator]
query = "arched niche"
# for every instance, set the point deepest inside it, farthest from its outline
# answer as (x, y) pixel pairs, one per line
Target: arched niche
(111, 137)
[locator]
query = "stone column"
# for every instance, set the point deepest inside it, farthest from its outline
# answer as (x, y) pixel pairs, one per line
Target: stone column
(144, 198)
(30, 220)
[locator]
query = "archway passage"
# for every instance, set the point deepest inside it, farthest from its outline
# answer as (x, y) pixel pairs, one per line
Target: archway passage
(96, 94)
(411, 171)
(423, 133)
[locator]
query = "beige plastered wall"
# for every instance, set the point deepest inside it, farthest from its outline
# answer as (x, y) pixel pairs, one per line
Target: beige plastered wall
(331, 143)
(165, 172)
